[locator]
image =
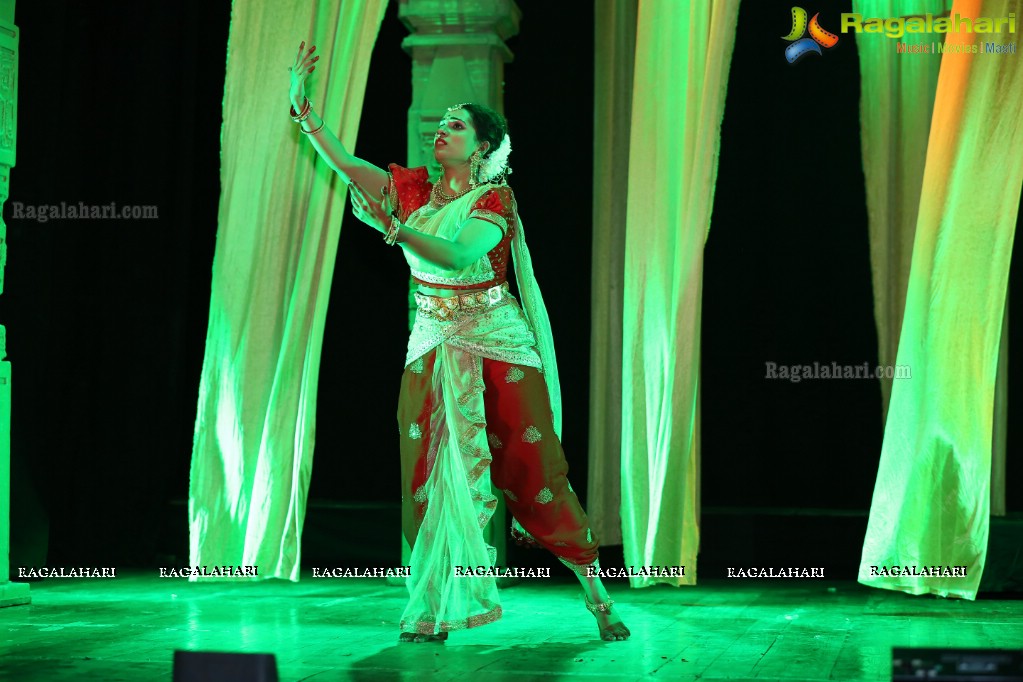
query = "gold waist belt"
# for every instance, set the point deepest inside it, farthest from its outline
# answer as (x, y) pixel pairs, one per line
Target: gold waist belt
(448, 307)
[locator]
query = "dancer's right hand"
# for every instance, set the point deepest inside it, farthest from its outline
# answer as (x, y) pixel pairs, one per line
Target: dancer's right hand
(304, 65)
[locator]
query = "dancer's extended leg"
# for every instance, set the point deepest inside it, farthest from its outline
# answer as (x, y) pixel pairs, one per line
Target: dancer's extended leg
(529, 466)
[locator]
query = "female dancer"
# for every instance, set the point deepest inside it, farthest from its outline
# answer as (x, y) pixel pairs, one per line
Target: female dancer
(480, 400)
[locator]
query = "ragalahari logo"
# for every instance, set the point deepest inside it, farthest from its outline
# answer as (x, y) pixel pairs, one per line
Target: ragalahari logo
(803, 46)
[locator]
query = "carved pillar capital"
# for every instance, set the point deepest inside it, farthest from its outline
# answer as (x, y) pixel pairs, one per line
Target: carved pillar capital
(461, 16)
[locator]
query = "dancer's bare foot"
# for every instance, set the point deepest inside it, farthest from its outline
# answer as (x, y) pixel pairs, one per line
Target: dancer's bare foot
(609, 623)
(419, 637)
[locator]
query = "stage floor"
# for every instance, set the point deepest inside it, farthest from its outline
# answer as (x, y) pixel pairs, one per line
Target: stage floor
(336, 629)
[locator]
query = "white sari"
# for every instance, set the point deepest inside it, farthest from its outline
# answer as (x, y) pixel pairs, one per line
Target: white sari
(457, 490)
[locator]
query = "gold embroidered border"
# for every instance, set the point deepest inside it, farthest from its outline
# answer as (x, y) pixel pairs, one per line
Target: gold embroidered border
(428, 626)
(392, 194)
(491, 217)
(455, 281)
(581, 568)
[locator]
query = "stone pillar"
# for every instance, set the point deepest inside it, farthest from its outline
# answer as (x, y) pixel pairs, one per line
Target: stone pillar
(458, 55)
(10, 593)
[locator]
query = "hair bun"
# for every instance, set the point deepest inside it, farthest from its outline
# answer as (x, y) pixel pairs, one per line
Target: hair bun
(496, 162)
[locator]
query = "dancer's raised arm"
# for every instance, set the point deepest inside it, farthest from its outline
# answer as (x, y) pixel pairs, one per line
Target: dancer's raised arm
(324, 141)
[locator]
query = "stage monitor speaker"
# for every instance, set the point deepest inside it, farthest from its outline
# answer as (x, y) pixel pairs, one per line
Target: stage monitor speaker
(957, 665)
(215, 666)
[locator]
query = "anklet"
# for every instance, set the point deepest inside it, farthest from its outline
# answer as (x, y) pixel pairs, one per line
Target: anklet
(603, 607)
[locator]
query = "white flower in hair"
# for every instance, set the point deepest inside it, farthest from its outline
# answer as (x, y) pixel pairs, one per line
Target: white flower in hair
(496, 164)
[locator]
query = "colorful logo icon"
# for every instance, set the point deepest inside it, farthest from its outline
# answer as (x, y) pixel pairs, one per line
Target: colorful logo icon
(803, 46)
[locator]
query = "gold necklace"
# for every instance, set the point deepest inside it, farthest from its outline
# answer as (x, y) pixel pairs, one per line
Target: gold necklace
(440, 198)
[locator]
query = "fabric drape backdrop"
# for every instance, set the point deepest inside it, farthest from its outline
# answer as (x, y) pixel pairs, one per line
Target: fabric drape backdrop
(683, 52)
(932, 496)
(615, 47)
(896, 101)
(278, 228)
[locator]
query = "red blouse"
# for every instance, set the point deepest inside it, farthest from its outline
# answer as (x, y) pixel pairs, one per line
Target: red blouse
(410, 189)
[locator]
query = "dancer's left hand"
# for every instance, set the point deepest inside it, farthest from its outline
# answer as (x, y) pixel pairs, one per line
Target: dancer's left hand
(374, 212)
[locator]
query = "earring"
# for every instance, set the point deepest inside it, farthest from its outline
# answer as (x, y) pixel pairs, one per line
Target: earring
(474, 169)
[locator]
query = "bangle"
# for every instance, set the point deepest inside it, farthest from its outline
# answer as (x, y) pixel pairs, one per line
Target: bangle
(392, 232)
(314, 130)
(307, 108)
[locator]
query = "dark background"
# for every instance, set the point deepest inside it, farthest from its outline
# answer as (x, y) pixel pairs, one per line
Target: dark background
(106, 320)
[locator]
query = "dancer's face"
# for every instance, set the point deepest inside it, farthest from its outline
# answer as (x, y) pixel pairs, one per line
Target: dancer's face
(455, 140)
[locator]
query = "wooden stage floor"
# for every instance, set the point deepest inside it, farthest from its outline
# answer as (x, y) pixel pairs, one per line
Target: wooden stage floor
(339, 629)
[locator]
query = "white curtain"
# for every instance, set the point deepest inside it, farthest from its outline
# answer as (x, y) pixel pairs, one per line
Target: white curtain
(931, 503)
(683, 52)
(278, 227)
